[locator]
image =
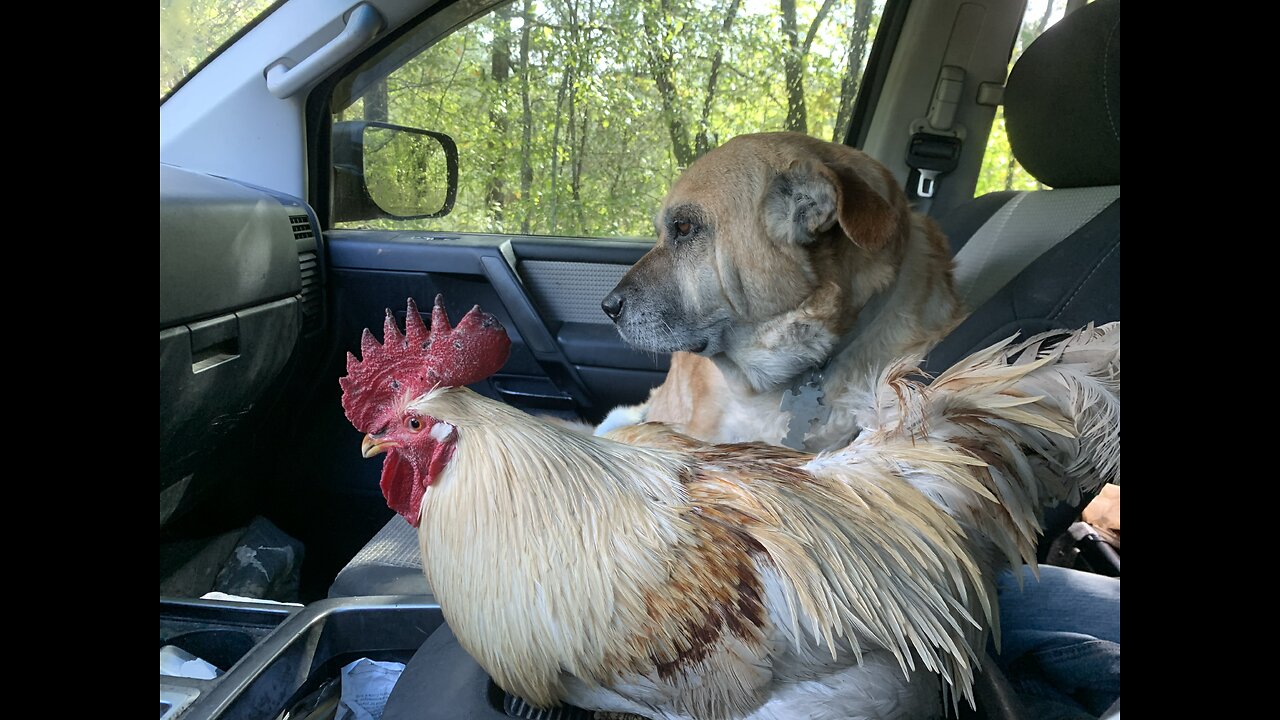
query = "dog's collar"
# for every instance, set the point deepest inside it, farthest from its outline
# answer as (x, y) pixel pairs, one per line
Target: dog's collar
(803, 401)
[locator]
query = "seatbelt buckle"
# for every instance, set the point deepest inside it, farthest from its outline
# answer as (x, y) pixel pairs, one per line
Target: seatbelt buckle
(932, 155)
(928, 180)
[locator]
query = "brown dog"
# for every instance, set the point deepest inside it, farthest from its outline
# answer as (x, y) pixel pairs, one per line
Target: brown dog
(779, 254)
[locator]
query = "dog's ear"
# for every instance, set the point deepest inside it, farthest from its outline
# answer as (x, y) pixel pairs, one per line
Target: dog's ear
(811, 197)
(801, 203)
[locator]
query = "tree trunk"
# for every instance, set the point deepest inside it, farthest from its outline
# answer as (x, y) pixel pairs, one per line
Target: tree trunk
(793, 60)
(526, 120)
(579, 141)
(575, 151)
(575, 179)
(701, 142)
(375, 102)
(792, 63)
(565, 82)
(1044, 19)
(495, 194)
(859, 32)
(813, 27)
(660, 67)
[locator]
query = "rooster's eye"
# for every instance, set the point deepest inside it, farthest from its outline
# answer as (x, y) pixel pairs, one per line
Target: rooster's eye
(413, 424)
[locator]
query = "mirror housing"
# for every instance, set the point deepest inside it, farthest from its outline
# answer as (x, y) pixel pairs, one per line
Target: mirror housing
(382, 170)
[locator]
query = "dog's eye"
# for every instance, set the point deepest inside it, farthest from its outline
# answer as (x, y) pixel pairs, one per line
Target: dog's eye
(683, 229)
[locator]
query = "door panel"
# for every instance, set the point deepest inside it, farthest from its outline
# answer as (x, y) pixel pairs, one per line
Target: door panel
(568, 296)
(566, 357)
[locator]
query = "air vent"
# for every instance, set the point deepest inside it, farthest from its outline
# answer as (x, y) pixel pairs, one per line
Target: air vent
(301, 227)
(312, 297)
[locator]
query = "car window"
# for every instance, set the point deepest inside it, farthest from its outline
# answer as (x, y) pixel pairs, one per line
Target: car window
(191, 30)
(1000, 171)
(572, 117)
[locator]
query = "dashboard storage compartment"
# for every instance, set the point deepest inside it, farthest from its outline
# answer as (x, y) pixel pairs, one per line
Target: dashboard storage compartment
(220, 632)
(307, 650)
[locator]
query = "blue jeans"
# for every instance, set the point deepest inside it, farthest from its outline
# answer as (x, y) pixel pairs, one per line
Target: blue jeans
(1060, 641)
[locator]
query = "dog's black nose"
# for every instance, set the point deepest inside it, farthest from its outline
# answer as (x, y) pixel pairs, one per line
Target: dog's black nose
(612, 305)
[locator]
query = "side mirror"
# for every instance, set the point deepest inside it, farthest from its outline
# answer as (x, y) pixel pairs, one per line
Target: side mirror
(388, 171)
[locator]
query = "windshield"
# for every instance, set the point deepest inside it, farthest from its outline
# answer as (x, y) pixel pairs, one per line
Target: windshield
(191, 30)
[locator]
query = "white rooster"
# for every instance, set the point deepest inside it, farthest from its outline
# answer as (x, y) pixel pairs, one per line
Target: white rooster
(673, 579)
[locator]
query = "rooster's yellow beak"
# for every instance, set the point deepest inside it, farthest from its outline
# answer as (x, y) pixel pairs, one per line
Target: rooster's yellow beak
(375, 446)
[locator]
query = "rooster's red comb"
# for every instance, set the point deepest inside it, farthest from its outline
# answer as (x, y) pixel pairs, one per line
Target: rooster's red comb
(410, 364)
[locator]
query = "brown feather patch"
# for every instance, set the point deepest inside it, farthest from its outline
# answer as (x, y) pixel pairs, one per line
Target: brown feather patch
(713, 590)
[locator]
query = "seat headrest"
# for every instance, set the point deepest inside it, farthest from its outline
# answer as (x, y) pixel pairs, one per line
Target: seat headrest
(1062, 101)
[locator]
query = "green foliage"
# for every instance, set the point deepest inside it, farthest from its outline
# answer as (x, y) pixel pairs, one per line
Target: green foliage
(1000, 171)
(190, 30)
(585, 78)
(559, 110)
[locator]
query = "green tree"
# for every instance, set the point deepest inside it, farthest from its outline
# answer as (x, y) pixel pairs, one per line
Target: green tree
(572, 117)
(190, 30)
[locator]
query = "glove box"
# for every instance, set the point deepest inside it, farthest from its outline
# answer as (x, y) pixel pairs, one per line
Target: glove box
(307, 647)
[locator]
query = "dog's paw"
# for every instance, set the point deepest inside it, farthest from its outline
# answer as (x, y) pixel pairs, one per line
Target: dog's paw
(621, 416)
